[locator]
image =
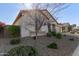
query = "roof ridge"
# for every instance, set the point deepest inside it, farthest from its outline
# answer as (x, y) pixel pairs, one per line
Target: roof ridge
(33, 9)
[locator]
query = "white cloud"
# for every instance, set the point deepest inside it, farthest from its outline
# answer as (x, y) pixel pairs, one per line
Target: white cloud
(27, 5)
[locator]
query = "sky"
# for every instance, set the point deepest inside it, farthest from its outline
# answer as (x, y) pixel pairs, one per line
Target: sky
(9, 12)
(70, 14)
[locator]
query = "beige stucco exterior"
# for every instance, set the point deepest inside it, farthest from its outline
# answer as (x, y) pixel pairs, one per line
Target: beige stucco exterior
(27, 25)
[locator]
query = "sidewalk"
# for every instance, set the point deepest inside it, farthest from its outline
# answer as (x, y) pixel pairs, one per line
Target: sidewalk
(76, 52)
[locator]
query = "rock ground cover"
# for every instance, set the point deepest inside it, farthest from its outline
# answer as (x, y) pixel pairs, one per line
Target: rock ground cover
(65, 46)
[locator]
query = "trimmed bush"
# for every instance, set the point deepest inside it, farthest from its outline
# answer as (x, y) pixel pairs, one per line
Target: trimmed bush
(52, 45)
(15, 41)
(58, 35)
(64, 35)
(34, 37)
(14, 30)
(71, 39)
(22, 51)
(53, 33)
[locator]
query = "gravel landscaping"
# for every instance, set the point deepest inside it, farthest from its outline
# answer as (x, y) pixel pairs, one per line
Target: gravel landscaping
(66, 47)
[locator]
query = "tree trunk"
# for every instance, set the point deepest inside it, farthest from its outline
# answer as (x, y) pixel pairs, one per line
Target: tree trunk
(36, 35)
(49, 28)
(36, 27)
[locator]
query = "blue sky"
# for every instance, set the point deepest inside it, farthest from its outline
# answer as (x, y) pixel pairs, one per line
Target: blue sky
(8, 13)
(71, 14)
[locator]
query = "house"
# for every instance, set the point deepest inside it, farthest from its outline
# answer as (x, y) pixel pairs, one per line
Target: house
(65, 27)
(26, 18)
(75, 30)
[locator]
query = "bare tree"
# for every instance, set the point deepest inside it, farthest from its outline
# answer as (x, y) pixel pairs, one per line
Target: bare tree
(37, 20)
(51, 7)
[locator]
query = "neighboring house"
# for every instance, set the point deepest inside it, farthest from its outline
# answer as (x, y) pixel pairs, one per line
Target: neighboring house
(75, 30)
(65, 27)
(25, 20)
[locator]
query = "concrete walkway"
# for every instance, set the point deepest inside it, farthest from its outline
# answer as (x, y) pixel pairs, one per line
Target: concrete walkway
(76, 52)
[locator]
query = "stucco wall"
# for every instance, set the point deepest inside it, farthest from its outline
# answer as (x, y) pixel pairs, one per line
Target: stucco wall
(26, 28)
(24, 32)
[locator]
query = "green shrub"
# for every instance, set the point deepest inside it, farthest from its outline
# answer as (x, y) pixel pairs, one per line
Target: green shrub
(58, 35)
(49, 34)
(64, 35)
(34, 37)
(15, 41)
(14, 31)
(1, 28)
(52, 45)
(71, 39)
(53, 33)
(22, 51)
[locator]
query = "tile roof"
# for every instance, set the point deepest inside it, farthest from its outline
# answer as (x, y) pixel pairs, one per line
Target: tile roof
(31, 10)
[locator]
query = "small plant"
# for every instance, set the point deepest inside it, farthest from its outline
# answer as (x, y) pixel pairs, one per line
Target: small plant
(64, 35)
(53, 33)
(53, 46)
(34, 37)
(58, 35)
(22, 51)
(15, 41)
(71, 39)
